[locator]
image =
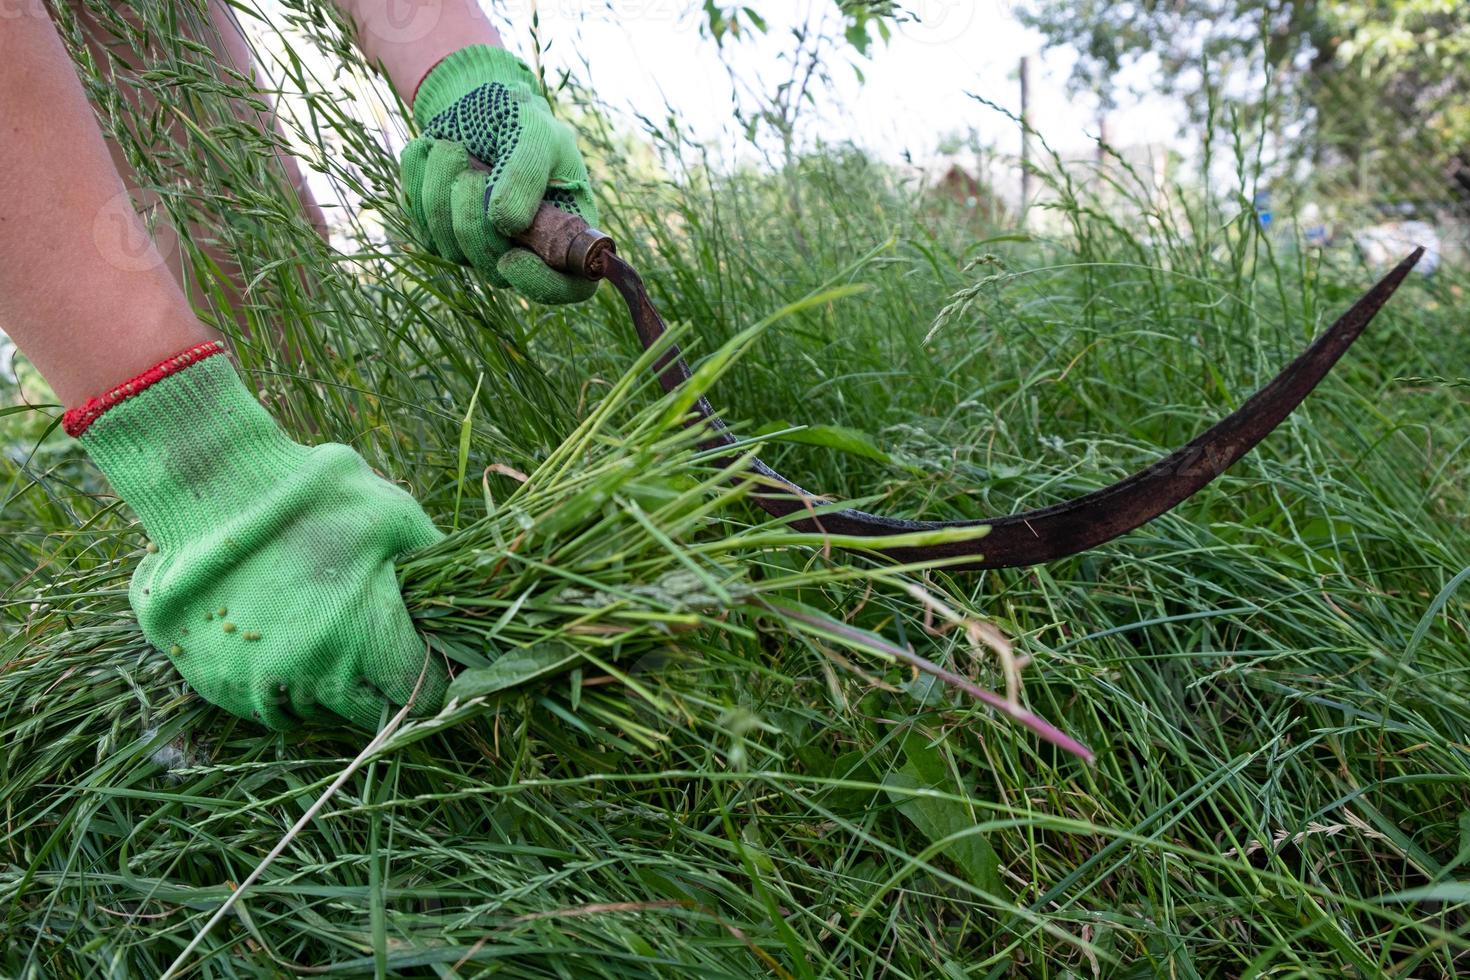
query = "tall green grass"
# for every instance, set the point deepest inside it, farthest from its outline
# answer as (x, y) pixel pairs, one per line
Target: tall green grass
(708, 766)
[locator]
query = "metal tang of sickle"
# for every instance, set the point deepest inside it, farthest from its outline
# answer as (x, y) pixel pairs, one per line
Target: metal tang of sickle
(568, 244)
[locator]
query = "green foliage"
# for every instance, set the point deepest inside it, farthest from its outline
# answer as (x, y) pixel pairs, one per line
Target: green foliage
(863, 21)
(1417, 50)
(733, 778)
(1188, 37)
(1371, 92)
(820, 36)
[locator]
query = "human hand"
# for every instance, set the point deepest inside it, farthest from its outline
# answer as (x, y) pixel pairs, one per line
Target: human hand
(269, 577)
(490, 153)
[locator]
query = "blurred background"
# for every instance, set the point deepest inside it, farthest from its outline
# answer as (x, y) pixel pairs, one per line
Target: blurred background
(1344, 125)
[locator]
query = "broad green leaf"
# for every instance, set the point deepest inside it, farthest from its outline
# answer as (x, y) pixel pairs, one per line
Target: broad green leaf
(852, 441)
(513, 668)
(937, 819)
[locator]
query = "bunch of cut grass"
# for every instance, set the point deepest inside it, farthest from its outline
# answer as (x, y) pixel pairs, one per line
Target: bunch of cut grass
(615, 544)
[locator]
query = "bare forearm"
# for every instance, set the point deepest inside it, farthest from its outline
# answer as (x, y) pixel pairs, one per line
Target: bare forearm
(83, 291)
(405, 38)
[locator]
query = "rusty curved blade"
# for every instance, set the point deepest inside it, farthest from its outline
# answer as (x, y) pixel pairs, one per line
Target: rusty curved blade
(1063, 529)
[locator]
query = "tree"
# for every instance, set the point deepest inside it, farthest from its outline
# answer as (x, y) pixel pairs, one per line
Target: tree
(1372, 92)
(817, 41)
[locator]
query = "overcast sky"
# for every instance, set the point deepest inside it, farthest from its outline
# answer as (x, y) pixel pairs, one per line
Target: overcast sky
(646, 52)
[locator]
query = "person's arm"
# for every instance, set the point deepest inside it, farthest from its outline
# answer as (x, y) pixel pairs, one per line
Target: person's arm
(268, 576)
(407, 39)
(490, 150)
(84, 311)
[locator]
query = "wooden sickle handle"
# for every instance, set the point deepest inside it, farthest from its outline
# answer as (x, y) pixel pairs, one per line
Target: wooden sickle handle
(566, 242)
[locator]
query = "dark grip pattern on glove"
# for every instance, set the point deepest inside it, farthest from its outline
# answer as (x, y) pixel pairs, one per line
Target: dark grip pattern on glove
(491, 153)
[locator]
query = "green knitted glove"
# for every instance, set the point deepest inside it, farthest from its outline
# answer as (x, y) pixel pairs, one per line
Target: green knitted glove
(491, 151)
(269, 578)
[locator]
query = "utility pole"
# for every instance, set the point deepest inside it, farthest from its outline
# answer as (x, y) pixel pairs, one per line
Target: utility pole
(1025, 136)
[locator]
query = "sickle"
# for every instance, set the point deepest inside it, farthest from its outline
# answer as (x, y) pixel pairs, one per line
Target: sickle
(568, 244)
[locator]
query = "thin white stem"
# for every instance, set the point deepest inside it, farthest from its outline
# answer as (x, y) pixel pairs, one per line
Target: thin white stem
(296, 828)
